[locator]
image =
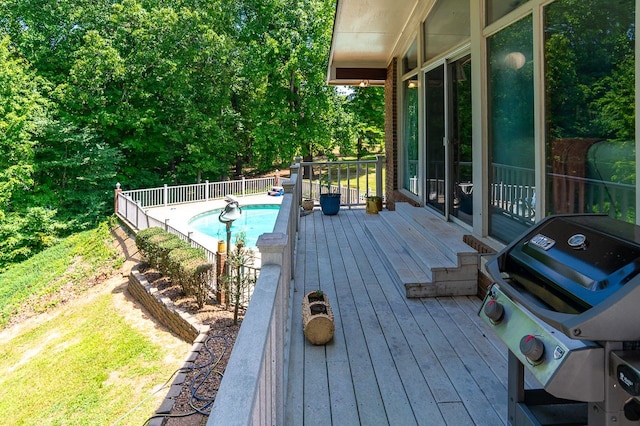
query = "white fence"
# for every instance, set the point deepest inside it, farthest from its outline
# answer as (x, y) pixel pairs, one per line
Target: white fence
(132, 206)
(199, 192)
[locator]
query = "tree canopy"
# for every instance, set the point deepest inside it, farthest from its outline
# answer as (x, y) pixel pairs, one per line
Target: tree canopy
(148, 92)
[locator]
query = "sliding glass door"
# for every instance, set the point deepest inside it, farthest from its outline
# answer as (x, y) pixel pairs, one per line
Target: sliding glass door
(449, 188)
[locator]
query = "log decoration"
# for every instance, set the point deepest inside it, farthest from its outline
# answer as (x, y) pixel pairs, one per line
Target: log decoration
(317, 318)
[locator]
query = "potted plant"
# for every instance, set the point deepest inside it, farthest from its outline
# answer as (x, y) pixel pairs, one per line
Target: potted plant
(307, 204)
(374, 204)
(329, 201)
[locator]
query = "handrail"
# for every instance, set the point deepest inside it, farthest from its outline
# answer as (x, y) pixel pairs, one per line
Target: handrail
(343, 177)
(254, 383)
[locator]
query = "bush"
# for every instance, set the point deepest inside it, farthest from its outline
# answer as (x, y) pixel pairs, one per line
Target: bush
(196, 274)
(176, 259)
(143, 243)
(166, 246)
(184, 265)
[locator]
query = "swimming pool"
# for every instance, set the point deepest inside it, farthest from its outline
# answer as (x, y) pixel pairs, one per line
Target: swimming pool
(254, 221)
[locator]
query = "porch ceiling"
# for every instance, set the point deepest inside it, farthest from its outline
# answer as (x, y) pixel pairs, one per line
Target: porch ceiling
(365, 34)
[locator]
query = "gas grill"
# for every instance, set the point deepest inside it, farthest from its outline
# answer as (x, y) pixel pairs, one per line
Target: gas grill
(566, 302)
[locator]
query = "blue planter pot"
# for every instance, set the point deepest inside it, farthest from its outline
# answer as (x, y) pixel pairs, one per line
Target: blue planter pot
(330, 203)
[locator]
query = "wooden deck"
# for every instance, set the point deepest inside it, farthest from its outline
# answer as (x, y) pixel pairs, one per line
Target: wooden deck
(393, 360)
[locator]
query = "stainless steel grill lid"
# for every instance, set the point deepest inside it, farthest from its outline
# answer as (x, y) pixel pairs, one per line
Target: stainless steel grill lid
(580, 273)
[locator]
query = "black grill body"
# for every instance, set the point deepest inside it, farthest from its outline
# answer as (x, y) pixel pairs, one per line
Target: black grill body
(566, 302)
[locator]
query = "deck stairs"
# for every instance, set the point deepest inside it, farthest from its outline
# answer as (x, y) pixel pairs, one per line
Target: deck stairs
(425, 255)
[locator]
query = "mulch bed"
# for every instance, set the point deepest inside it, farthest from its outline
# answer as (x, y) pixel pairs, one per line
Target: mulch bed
(194, 403)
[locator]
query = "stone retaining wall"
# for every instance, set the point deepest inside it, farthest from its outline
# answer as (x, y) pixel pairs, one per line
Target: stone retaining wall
(162, 308)
(179, 322)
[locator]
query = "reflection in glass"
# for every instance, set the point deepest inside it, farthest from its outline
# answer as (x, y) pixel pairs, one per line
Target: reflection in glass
(496, 9)
(446, 26)
(590, 99)
(511, 132)
(461, 139)
(410, 59)
(435, 133)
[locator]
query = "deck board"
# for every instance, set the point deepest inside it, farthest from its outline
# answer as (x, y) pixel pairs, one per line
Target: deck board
(392, 360)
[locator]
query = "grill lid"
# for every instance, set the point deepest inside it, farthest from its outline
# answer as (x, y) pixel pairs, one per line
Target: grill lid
(574, 271)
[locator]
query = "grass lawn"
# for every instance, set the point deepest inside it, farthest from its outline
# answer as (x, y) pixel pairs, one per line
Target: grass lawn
(86, 366)
(87, 362)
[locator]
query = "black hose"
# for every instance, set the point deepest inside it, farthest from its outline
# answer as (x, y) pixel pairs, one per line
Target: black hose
(201, 398)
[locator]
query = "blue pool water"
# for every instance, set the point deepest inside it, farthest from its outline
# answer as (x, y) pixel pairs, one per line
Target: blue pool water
(254, 221)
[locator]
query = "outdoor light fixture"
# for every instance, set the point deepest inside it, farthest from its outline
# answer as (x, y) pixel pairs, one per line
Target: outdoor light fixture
(231, 212)
(229, 198)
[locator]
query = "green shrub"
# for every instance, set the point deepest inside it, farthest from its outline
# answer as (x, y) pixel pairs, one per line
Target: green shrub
(186, 266)
(165, 247)
(142, 240)
(197, 273)
(176, 259)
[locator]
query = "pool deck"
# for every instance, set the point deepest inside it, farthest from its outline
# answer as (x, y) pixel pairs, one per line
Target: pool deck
(178, 216)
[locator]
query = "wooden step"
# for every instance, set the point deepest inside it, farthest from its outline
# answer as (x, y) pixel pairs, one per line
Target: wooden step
(426, 257)
(449, 235)
(402, 267)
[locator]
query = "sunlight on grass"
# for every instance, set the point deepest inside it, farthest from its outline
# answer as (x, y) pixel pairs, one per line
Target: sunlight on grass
(71, 261)
(84, 367)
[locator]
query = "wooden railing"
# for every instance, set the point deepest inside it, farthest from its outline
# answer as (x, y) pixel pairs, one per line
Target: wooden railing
(254, 384)
(513, 191)
(581, 195)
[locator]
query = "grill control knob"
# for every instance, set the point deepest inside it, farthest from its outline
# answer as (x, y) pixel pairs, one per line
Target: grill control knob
(494, 311)
(532, 348)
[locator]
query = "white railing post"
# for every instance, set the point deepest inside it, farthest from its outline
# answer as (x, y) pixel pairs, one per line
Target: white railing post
(206, 190)
(165, 195)
(244, 186)
(118, 191)
(296, 173)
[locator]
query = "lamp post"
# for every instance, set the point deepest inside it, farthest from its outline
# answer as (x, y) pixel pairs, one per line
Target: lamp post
(230, 213)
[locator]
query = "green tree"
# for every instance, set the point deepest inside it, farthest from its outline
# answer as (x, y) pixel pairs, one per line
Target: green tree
(367, 106)
(23, 115)
(290, 110)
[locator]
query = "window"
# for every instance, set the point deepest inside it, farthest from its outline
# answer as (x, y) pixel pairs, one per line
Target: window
(496, 9)
(410, 59)
(590, 114)
(511, 130)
